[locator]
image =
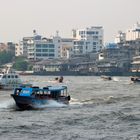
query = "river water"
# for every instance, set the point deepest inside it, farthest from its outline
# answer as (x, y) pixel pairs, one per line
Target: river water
(99, 110)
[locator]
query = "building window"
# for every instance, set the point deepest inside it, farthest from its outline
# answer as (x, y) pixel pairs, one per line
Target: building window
(38, 54)
(90, 32)
(52, 55)
(87, 43)
(38, 50)
(51, 45)
(16, 76)
(45, 45)
(51, 50)
(45, 54)
(44, 50)
(97, 33)
(38, 45)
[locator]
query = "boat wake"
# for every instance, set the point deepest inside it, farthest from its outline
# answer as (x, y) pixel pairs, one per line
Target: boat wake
(108, 100)
(116, 79)
(7, 104)
(51, 103)
(75, 102)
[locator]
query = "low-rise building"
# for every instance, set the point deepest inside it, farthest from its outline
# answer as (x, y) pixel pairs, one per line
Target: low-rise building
(120, 37)
(3, 47)
(133, 33)
(135, 64)
(18, 50)
(38, 48)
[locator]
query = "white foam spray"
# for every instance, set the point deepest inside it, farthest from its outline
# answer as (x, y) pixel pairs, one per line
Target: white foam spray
(7, 104)
(51, 103)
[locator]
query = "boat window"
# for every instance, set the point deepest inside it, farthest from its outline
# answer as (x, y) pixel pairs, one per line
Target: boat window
(16, 76)
(55, 94)
(64, 93)
(17, 91)
(12, 76)
(8, 76)
(45, 92)
(4, 76)
(38, 92)
(25, 91)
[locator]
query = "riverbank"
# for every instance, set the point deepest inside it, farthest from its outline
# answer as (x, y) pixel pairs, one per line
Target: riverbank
(77, 73)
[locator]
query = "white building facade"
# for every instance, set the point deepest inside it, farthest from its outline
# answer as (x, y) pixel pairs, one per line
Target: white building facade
(88, 40)
(120, 37)
(133, 33)
(37, 48)
(18, 50)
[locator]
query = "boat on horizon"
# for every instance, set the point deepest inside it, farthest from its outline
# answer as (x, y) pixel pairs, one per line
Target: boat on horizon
(35, 97)
(104, 77)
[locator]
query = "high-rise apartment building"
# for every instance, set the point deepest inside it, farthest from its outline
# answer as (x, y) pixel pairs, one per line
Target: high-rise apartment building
(88, 40)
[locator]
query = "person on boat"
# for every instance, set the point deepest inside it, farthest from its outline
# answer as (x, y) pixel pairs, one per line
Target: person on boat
(109, 78)
(61, 79)
(56, 79)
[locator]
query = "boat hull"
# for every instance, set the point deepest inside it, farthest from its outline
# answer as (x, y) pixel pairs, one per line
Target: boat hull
(135, 79)
(106, 78)
(27, 103)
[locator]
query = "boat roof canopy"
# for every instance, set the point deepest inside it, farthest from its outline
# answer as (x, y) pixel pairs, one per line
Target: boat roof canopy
(49, 88)
(56, 88)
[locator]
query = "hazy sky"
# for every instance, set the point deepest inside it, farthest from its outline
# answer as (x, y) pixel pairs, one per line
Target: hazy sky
(18, 18)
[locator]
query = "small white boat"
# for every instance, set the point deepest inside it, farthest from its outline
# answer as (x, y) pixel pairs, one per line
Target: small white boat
(9, 79)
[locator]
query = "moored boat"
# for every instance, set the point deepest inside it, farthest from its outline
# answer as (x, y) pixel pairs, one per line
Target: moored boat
(9, 79)
(34, 97)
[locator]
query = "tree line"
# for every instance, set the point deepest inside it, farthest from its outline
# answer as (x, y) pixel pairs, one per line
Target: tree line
(19, 63)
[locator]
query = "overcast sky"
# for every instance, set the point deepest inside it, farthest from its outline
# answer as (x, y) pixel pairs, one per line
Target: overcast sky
(18, 18)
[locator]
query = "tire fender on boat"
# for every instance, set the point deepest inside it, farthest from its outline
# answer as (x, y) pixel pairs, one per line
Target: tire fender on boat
(69, 98)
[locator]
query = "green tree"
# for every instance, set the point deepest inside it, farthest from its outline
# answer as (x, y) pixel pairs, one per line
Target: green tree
(6, 57)
(21, 65)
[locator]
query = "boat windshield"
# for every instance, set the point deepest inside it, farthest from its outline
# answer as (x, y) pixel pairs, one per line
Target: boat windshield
(23, 91)
(59, 92)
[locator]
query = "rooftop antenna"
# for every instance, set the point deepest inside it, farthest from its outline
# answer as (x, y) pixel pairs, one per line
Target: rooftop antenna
(57, 33)
(34, 32)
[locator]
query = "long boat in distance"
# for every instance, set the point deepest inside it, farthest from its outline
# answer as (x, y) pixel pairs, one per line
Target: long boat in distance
(104, 77)
(135, 79)
(35, 97)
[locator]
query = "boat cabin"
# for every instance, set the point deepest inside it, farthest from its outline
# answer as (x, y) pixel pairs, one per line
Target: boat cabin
(9, 80)
(46, 92)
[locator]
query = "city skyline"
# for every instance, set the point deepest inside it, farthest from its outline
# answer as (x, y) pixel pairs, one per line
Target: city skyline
(20, 18)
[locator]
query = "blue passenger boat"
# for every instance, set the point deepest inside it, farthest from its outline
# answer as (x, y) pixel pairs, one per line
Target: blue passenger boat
(34, 97)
